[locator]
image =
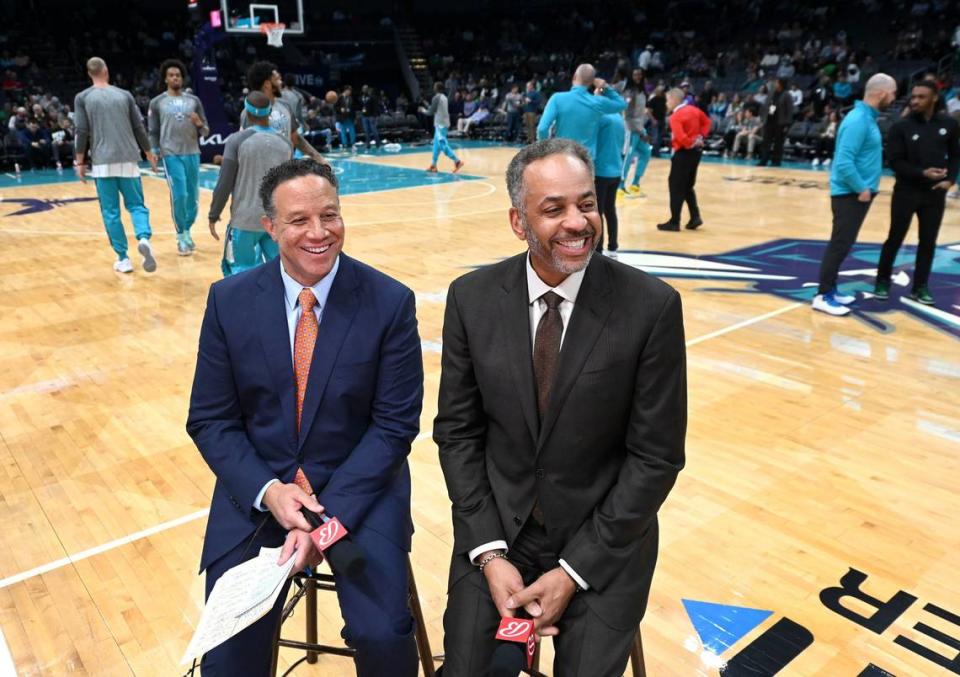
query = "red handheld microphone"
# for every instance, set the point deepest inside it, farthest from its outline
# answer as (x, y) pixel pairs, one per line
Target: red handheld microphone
(510, 659)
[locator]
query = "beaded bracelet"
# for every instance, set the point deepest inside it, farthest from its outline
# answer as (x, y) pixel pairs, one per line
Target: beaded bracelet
(499, 554)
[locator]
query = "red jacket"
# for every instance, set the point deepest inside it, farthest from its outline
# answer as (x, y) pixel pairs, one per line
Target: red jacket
(687, 122)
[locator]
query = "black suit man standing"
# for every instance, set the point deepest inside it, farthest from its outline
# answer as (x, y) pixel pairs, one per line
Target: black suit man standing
(561, 429)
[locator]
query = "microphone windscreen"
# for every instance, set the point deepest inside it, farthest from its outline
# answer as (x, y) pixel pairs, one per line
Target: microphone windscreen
(509, 659)
(346, 559)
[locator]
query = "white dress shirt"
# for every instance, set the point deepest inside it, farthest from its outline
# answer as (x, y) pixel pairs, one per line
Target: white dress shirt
(536, 288)
(291, 297)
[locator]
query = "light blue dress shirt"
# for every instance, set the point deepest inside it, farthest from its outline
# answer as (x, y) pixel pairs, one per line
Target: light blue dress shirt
(291, 297)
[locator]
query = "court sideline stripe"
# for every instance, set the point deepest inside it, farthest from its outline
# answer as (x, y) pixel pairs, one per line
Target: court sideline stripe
(71, 559)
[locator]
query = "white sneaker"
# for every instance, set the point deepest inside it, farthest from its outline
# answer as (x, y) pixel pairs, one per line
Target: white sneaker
(825, 303)
(146, 251)
(816, 162)
(123, 266)
(826, 163)
(843, 299)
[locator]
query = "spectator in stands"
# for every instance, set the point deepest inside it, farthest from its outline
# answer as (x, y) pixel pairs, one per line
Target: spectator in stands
(531, 110)
(513, 107)
(346, 119)
(797, 95)
(842, 91)
(688, 96)
(479, 115)
(18, 121)
(35, 142)
(706, 97)
(750, 132)
(369, 110)
(61, 141)
(826, 140)
(455, 105)
(646, 57)
(717, 111)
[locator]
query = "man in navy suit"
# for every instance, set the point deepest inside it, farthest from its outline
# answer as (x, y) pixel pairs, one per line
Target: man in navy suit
(310, 379)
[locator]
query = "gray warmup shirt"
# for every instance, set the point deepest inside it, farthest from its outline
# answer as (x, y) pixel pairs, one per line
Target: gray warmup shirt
(439, 110)
(109, 124)
(295, 103)
(171, 130)
(281, 118)
(247, 157)
(635, 116)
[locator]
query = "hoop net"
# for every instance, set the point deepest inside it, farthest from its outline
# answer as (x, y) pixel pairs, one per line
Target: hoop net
(274, 33)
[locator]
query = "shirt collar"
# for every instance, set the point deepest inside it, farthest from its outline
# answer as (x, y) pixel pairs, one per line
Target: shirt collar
(568, 289)
(292, 288)
(860, 103)
(681, 105)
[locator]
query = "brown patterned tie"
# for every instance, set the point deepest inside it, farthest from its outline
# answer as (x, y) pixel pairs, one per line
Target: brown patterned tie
(303, 343)
(546, 349)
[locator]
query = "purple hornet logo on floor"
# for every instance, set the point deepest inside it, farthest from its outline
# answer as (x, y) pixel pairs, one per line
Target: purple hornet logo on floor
(33, 205)
(790, 268)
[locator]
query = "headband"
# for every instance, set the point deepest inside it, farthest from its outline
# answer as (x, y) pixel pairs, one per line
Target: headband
(253, 110)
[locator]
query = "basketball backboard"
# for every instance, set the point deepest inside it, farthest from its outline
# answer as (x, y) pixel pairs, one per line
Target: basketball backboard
(243, 16)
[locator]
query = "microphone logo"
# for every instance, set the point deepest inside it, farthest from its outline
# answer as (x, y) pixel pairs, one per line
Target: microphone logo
(328, 534)
(531, 648)
(515, 629)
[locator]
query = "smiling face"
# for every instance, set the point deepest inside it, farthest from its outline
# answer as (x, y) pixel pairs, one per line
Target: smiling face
(560, 222)
(307, 227)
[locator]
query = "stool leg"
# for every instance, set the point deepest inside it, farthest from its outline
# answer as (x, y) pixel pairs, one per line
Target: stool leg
(420, 627)
(636, 657)
(276, 653)
(311, 638)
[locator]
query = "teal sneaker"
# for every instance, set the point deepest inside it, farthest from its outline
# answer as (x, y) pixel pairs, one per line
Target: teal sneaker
(922, 294)
(881, 289)
(189, 240)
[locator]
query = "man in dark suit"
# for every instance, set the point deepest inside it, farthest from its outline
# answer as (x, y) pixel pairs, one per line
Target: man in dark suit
(777, 119)
(561, 424)
(310, 379)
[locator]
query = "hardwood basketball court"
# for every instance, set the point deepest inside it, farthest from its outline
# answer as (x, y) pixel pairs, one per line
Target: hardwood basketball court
(816, 445)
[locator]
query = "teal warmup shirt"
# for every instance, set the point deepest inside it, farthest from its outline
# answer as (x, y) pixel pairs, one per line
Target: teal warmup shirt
(858, 158)
(609, 162)
(577, 115)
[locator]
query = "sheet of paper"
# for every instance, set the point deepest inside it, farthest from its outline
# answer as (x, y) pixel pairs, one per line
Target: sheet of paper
(242, 595)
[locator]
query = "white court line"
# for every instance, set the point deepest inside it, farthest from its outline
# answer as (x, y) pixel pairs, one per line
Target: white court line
(70, 559)
(7, 668)
(745, 323)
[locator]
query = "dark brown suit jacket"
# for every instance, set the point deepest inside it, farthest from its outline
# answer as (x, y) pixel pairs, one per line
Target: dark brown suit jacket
(612, 440)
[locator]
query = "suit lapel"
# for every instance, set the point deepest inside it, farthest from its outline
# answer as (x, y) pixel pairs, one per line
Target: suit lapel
(515, 319)
(270, 307)
(590, 313)
(338, 315)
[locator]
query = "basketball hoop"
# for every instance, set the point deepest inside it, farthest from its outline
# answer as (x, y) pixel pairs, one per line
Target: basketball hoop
(274, 33)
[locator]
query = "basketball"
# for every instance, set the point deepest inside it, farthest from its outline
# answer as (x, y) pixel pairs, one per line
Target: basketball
(331, 97)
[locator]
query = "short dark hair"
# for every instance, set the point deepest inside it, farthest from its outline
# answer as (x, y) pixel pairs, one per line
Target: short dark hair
(260, 72)
(172, 63)
(537, 151)
(932, 86)
(438, 87)
(288, 171)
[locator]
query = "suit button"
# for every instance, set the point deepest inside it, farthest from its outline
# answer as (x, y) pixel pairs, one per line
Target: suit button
(539, 474)
(517, 520)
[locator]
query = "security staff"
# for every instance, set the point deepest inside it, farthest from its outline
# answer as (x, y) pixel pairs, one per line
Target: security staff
(924, 153)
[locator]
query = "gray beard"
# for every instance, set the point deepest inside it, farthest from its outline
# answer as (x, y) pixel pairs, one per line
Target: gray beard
(560, 265)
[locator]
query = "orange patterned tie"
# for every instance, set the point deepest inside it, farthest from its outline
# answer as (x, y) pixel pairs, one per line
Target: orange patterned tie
(303, 344)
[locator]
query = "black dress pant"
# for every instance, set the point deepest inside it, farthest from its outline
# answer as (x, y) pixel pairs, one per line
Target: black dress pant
(848, 216)
(774, 137)
(928, 205)
(585, 647)
(683, 178)
(607, 205)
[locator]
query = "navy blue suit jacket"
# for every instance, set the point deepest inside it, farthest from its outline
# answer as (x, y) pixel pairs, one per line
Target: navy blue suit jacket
(361, 412)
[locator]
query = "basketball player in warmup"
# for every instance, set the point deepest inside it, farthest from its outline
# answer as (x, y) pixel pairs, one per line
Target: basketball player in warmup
(441, 123)
(247, 157)
(296, 103)
(639, 149)
(176, 122)
(263, 76)
(110, 126)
